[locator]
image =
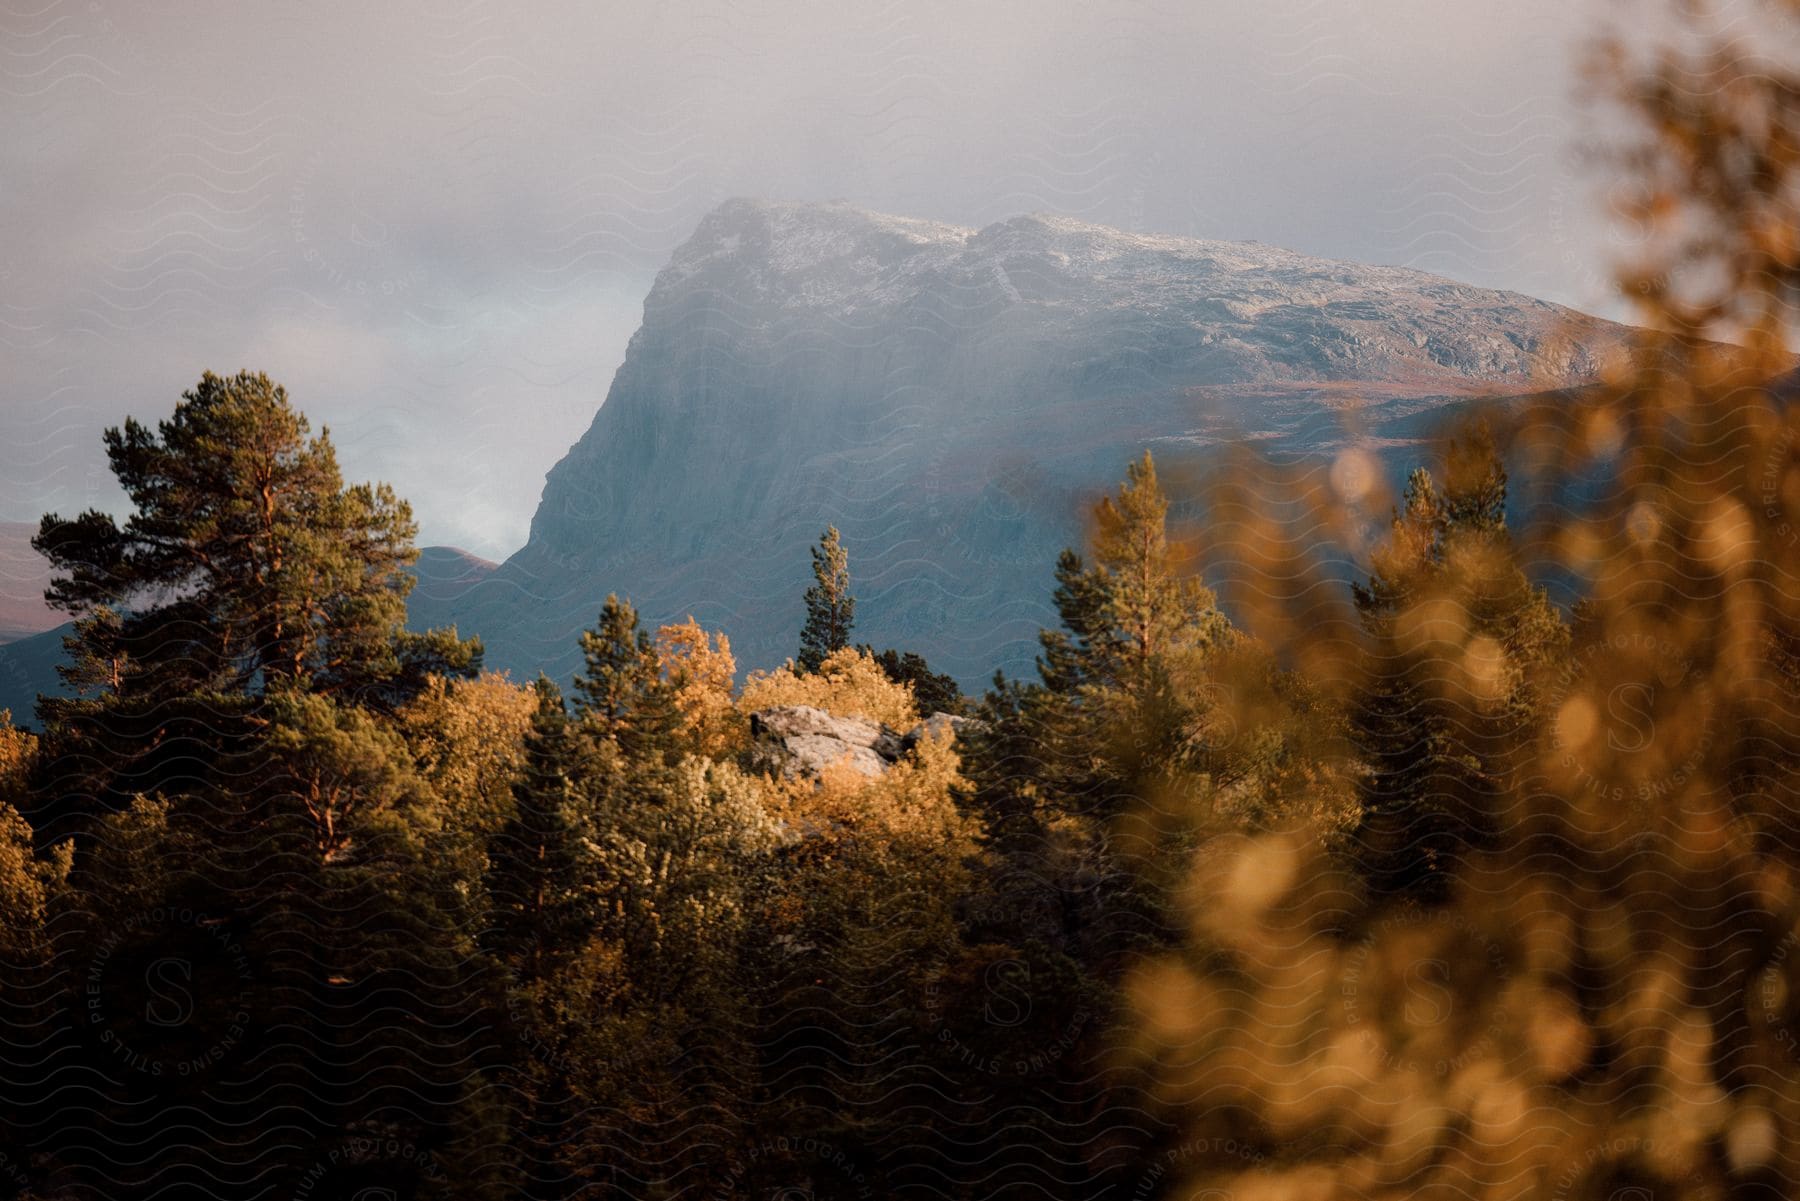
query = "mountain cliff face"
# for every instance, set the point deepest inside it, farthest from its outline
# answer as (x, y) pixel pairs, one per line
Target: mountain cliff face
(951, 399)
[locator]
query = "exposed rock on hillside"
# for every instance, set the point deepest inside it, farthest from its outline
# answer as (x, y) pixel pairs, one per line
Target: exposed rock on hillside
(801, 740)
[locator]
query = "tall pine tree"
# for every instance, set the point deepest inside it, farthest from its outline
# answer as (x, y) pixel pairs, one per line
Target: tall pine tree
(246, 567)
(830, 609)
(536, 881)
(624, 696)
(1441, 746)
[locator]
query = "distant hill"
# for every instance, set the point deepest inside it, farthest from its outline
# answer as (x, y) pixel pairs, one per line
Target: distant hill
(28, 667)
(24, 574)
(444, 574)
(951, 398)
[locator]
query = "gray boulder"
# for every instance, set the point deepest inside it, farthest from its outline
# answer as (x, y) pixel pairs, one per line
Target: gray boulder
(803, 740)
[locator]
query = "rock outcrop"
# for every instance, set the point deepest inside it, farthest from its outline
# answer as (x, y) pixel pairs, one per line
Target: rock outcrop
(802, 740)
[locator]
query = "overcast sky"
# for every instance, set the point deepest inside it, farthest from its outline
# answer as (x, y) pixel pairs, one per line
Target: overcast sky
(436, 221)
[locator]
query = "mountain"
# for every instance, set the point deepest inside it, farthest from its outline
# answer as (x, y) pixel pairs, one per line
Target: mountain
(951, 399)
(442, 576)
(27, 668)
(24, 574)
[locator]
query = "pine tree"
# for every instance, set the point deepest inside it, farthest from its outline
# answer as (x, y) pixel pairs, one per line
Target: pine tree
(1062, 757)
(1112, 710)
(830, 609)
(269, 571)
(623, 695)
(1440, 746)
(1151, 608)
(245, 569)
(1053, 771)
(933, 692)
(536, 878)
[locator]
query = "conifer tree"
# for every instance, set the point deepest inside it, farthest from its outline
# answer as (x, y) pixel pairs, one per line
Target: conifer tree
(1150, 607)
(623, 696)
(933, 692)
(536, 880)
(1061, 758)
(830, 609)
(246, 568)
(246, 562)
(1439, 744)
(1107, 708)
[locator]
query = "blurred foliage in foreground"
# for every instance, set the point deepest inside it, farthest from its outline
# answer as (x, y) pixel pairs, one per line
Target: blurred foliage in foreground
(1561, 959)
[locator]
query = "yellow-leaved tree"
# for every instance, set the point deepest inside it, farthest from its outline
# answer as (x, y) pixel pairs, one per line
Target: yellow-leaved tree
(848, 683)
(702, 670)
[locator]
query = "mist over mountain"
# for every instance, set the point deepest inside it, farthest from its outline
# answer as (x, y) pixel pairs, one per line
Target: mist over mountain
(950, 399)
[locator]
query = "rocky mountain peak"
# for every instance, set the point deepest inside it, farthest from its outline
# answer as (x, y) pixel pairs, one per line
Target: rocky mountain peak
(947, 396)
(1258, 311)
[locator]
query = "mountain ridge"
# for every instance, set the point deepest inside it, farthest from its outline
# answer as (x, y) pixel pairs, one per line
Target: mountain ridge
(948, 397)
(28, 662)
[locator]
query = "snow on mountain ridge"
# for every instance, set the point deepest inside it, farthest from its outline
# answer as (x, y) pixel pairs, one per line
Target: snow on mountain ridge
(766, 258)
(803, 234)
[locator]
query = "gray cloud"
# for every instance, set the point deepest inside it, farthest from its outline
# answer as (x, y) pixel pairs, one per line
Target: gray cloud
(436, 221)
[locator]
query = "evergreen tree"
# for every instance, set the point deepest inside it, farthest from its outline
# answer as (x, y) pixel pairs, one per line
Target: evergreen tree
(830, 609)
(269, 570)
(1439, 745)
(933, 692)
(623, 696)
(537, 869)
(657, 1036)
(1108, 711)
(1149, 608)
(1052, 771)
(246, 568)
